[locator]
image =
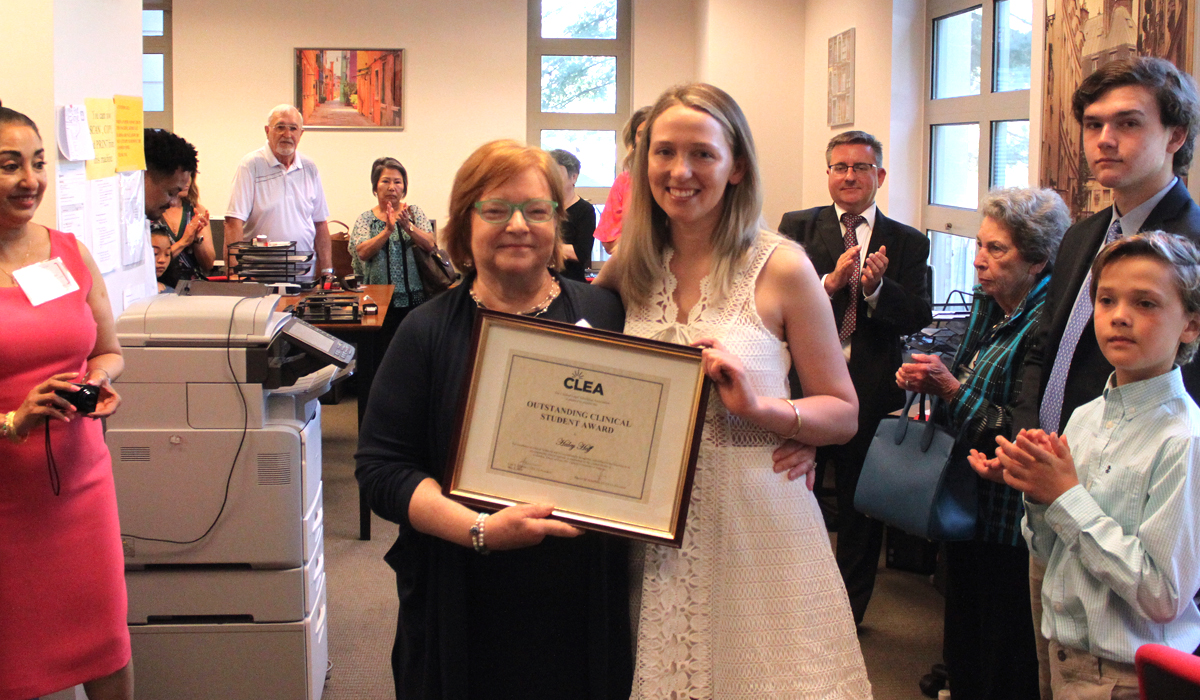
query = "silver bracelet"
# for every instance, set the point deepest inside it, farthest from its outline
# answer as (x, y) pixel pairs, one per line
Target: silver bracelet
(477, 534)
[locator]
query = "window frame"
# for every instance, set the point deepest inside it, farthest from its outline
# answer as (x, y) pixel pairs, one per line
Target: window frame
(536, 121)
(984, 109)
(161, 45)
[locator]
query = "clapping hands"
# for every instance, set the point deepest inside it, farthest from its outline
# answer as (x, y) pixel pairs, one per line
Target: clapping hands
(1037, 463)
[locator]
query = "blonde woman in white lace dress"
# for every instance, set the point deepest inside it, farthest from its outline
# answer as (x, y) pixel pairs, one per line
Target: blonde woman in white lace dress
(752, 605)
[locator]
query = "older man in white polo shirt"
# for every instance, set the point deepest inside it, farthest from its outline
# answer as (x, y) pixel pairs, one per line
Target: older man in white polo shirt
(277, 192)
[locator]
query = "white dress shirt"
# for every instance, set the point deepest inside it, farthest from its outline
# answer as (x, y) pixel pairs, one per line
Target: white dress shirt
(283, 203)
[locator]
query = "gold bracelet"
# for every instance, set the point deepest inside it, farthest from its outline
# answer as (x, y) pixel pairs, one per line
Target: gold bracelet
(799, 421)
(10, 428)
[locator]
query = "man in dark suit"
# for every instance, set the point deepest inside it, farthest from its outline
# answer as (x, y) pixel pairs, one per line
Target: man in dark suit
(874, 271)
(1140, 118)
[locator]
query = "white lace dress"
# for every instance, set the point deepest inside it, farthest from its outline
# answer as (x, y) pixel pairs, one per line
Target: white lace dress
(752, 605)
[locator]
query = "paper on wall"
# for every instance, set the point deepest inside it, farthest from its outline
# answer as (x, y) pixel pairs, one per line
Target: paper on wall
(105, 216)
(101, 119)
(132, 293)
(131, 149)
(74, 138)
(71, 196)
(133, 217)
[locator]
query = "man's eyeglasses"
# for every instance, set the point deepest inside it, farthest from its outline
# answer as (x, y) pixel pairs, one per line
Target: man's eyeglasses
(499, 211)
(859, 168)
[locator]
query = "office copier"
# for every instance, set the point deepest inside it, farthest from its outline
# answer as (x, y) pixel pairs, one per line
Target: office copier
(216, 454)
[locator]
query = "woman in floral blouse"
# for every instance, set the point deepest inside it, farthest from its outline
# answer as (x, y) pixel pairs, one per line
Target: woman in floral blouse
(382, 240)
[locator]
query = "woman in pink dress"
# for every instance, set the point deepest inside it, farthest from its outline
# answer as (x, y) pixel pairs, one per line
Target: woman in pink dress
(62, 584)
(609, 228)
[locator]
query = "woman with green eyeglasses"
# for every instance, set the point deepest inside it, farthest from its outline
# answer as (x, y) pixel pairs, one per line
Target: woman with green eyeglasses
(545, 614)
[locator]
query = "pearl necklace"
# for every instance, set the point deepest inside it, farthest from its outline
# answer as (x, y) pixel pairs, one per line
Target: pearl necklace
(537, 310)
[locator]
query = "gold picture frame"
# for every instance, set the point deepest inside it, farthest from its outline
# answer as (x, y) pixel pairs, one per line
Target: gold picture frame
(605, 426)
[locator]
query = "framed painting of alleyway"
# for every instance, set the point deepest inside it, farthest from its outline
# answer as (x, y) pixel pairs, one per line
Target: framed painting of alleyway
(354, 89)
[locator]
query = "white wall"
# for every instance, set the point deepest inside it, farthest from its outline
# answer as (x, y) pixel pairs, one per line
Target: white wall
(70, 50)
(464, 85)
(873, 109)
(755, 51)
(466, 75)
(465, 65)
(664, 47)
(27, 81)
(904, 146)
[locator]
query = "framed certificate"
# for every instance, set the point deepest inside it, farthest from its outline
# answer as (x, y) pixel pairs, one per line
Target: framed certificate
(604, 426)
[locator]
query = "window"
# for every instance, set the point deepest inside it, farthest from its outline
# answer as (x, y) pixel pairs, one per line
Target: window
(156, 64)
(977, 123)
(579, 89)
(956, 44)
(955, 257)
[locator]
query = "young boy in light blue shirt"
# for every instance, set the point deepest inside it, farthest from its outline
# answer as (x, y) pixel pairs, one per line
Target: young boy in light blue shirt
(1111, 505)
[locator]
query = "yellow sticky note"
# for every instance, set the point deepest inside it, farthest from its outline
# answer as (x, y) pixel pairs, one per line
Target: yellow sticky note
(102, 122)
(131, 150)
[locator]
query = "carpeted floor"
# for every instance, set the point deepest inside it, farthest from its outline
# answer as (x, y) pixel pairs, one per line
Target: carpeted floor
(901, 636)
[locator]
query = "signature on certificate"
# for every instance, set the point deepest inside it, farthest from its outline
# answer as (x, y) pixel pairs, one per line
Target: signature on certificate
(579, 447)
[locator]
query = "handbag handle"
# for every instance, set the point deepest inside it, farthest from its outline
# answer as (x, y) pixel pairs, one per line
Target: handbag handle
(927, 436)
(902, 425)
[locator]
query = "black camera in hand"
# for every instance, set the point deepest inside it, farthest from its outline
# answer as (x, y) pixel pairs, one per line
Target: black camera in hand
(84, 400)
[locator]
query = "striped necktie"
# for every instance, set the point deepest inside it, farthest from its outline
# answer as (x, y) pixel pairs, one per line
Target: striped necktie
(1052, 400)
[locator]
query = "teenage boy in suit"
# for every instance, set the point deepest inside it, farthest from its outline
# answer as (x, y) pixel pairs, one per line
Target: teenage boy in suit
(1140, 117)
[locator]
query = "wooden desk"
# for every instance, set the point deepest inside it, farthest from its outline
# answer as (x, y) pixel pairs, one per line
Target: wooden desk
(362, 334)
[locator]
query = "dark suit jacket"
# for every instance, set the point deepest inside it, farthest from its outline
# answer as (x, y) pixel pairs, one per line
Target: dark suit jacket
(904, 307)
(1176, 213)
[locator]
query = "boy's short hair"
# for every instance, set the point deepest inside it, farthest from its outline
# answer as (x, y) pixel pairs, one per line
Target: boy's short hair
(1173, 90)
(1177, 253)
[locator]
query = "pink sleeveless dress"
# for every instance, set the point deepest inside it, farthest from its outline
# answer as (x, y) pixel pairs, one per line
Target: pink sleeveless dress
(62, 581)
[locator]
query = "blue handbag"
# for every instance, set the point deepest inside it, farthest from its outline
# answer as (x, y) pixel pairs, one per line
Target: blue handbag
(916, 478)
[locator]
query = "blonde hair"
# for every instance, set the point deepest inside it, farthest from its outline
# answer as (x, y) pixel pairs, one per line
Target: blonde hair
(491, 165)
(629, 134)
(193, 193)
(646, 234)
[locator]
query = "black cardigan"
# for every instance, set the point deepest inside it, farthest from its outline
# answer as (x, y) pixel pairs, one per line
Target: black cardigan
(405, 438)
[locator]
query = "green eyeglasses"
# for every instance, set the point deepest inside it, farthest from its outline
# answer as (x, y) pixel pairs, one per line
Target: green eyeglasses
(499, 211)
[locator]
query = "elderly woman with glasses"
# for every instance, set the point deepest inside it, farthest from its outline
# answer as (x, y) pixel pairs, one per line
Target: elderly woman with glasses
(546, 614)
(989, 640)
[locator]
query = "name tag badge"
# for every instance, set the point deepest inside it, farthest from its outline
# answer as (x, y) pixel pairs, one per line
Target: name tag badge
(45, 281)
